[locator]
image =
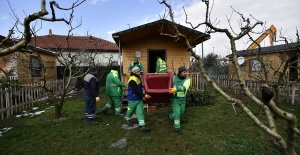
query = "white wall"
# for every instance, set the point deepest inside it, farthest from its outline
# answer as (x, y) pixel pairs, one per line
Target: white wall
(84, 58)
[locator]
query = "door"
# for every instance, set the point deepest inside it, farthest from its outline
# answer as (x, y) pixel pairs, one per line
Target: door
(293, 69)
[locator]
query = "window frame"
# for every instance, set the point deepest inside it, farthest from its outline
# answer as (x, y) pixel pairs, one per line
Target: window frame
(251, 64)
(35, 71)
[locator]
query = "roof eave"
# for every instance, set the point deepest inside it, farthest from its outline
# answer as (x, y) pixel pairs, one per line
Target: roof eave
(116, 36)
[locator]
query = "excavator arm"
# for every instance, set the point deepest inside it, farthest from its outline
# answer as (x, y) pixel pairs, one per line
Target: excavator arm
(272, 34)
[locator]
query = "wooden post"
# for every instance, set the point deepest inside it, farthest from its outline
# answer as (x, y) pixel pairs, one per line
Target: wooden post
(22, 97)
(25, 95)
(293, 93)
(7, 102)
(16, 96)
(2, 101)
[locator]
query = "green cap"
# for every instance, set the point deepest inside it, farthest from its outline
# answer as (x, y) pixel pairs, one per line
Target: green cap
(135, 59)
(157, 57)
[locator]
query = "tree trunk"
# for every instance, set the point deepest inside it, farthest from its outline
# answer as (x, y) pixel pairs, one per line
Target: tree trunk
(58, 108)
(290, 140)
(278, 96)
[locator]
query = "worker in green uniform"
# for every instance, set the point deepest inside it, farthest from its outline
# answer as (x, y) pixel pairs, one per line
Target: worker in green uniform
(161, 66)
(135, 99)
(114, 91)
(181, 84)
(136, 63)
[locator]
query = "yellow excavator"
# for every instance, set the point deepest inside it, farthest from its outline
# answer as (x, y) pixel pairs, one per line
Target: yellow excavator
(272, 34)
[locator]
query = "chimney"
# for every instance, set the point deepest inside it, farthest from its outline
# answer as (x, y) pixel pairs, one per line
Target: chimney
(50, 33)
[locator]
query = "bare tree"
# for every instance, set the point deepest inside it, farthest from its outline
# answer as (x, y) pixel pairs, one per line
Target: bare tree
(75, 66)
(268, 105)
(214, 64)
(28, 31)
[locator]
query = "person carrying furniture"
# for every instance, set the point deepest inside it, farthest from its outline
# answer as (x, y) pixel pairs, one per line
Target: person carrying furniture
(91, 91)
(114, 91)
(136, 63)
(181, 84)
(135, 99)
(161, 66)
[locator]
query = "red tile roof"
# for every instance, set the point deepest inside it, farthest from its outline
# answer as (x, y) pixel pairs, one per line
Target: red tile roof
(75, 43)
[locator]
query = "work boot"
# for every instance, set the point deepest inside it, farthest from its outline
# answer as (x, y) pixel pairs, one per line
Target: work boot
(144, 128)
(171, 122)
(103, 112)
(120, 115)
(179, 131)
(92, 122)
(129, 124)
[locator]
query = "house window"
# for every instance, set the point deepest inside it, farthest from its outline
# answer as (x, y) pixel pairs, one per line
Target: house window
(255, 65)
(35, 66)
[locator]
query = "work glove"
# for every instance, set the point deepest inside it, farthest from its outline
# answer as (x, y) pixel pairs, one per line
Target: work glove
(98, 99)
(124, 89)
(172, 90)
(147, 96)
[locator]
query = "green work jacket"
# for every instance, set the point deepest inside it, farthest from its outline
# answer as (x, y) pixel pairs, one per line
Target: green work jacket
(182, 86)
(161, 66)
(139, 65)
(113, 84)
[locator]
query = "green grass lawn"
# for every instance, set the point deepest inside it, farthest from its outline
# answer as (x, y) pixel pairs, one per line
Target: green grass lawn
(207, 130)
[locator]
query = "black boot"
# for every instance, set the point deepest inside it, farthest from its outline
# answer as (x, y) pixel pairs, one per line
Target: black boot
(103, 112)
(171, 122)
(144, 128)
(92, 122)
(179, 131)
(129, 124)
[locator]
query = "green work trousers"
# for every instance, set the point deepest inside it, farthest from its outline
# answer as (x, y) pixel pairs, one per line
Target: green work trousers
(178, 111)
(113, 100)
(139, 107)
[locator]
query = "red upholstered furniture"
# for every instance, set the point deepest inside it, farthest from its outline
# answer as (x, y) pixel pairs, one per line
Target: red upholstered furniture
(157, 86)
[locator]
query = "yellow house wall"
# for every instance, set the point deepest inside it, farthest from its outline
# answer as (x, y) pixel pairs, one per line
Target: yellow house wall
(24, 73)
(176, 53)
(273, 60)
(7, 63)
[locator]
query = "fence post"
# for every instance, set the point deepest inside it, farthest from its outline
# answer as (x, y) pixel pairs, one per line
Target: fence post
(25, 95)
(22, 101)
(293, 93)
(7, 102)
(11, 100)
(16, 97)
(2, 101)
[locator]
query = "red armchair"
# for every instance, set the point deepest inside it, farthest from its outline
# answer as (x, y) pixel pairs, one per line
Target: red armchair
(158, 86)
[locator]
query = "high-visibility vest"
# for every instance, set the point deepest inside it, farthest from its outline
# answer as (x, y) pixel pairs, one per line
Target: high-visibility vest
(181, 85)
(162, 66)
(131, 95)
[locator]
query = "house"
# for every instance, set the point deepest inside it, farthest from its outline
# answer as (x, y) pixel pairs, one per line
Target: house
(103, 52)
(146, 43)
(25, 64)
(272, 56)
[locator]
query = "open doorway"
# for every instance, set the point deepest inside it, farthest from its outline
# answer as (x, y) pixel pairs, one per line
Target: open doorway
(152, 54)
(294, 70)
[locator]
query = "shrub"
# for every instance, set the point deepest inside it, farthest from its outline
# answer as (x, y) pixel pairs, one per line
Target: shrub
(201, 98)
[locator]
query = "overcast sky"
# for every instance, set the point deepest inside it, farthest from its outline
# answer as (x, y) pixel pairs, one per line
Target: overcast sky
(101, 18)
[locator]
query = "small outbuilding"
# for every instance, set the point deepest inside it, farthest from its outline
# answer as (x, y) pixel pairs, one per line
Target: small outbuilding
(147, 42)
(25, 65)
(273, 57)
